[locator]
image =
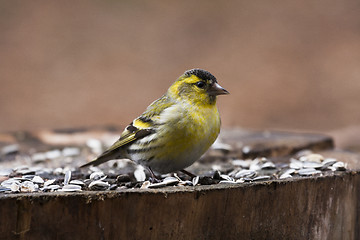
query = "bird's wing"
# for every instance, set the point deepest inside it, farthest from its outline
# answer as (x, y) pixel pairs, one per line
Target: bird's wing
(130, 134)
(142, 126)
(152, 113)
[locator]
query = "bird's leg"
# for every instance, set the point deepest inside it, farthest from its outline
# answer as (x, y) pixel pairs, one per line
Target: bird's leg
(188, 173)
(154, 178)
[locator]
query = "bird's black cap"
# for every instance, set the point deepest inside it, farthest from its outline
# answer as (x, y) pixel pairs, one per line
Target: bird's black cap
(200, 73)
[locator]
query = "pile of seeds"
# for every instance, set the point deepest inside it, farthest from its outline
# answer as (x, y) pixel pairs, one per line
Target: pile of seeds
(36, 179)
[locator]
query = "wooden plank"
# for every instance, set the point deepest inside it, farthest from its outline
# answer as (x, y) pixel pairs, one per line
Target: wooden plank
(322, 207)
(309, 208)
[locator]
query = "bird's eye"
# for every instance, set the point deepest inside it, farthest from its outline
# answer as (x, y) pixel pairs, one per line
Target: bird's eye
(200, 84)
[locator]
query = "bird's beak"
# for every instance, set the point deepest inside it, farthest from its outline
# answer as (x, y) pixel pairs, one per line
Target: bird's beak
(216, 89)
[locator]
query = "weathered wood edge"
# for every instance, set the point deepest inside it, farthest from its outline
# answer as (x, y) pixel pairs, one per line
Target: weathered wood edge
(103, 195)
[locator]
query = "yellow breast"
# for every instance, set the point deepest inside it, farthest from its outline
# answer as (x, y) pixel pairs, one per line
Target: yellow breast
(189, 134)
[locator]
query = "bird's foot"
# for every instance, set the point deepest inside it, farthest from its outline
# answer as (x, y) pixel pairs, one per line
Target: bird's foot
(154, 178)
(188, 173)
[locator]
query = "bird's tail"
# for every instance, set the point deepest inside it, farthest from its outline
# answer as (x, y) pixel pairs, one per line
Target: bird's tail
(106, 156)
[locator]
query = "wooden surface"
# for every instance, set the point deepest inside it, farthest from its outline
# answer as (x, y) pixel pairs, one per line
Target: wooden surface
(311, 208)
(323, 207)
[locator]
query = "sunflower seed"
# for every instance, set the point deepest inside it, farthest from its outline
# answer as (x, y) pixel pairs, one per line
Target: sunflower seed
(227, 181)
(216, 175)
(139, 174)
(5, 171)
(308, 171)
(50, 188)
(315, 165)
(4, 189)
(262, 178)
(49, 182)
(170, 181)
(67, 177)
(295, 164)
(38, 180)
(145, 184)
(339, 166)
(195, 180)
(226, 177)
(285, 175)
(268, 165)
(185, 183)
(7, 183)
(289, 171)
(70, 188)
(97, 176)
(245, 173)
(21, 179)
(177, 177)
(77, 182)
(303, 153)
(15, 187)
(28, 186)
(99, 185)
(123, 178)
(328, 162)
(26, 172)
(312, 158)
(157, 185)
(28, 177)
(242, 163)
(255, 164)
(245, 179)
(240, 180)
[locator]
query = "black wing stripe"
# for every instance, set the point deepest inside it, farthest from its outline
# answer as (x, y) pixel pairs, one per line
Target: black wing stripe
(143, 133)
(141, 150)
(131, 128)
(145, 119)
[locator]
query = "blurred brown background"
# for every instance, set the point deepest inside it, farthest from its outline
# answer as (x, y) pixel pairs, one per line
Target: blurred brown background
(287, 64)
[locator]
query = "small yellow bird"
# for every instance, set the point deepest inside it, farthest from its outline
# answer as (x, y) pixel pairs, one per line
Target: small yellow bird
(176, 129)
